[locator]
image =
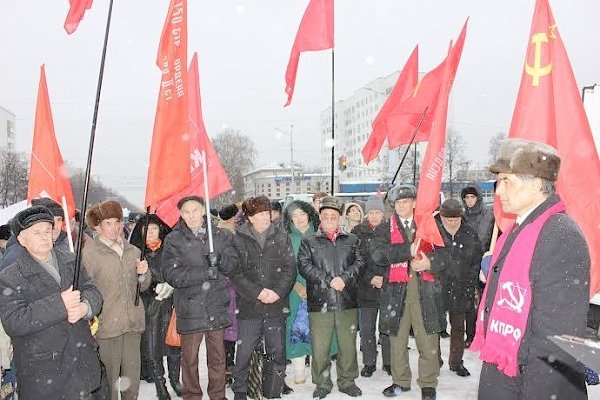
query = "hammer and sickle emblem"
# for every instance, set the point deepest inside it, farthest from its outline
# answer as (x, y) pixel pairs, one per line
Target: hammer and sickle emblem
(516, 298)
(537, 71)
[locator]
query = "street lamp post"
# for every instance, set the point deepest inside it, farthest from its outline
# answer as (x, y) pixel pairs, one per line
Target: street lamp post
(291, 153)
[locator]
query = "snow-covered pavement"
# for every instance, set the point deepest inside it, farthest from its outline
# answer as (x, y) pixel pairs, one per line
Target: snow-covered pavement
(451, 386)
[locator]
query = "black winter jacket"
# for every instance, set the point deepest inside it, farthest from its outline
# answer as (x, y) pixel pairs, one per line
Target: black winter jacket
(368, 295)
(393, 295)
(320, 260)
(461, 257)
(272, 266)
(54, 358)
(481, 218)
(200, 297)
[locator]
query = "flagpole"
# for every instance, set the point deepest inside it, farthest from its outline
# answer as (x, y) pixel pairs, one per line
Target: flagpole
(332, 120)
(91, 152)
(211, 246)
(412, 139)
(138, 286)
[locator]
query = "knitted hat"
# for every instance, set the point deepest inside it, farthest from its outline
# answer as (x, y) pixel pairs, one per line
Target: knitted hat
(29, 217)
(332, 203)
(228, 212)
(185, 199)
(104, 210)
(254, 205)
(451, 208)
(519, 156)
(50, 204)
(374, 203)
(469, 190)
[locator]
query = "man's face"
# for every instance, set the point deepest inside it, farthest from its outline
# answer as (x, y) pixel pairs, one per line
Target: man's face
(192, 213)
(404, 207)
(110, 229)
(470, 200)
(37, 239)
(353, 214)
(516, 195)
(58, 223)
(374, 217)
(451, 224)
(330, 219)
(261, 221)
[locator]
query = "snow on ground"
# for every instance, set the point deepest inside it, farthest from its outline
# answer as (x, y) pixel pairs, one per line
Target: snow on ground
(450, 386)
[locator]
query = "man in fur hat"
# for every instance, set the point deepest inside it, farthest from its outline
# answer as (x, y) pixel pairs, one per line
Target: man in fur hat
(537, 286)
(331, 261)
(411, 296)
(263, 281)
(54, 352)
(114, 265)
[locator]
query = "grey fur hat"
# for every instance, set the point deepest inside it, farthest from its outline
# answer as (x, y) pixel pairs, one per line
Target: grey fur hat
(520, 156)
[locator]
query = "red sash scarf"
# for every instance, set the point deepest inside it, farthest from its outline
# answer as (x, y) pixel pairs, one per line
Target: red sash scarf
(508, 318)
(399, 271)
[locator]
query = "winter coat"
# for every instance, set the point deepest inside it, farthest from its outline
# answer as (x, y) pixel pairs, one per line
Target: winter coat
(559, 277)
(272, 266)
(460, 256)
(201, 299)
(368, 295)
(13, 251)
(393, 295)
(481, 218)
(54, 359)
(320, 260)
(116, 278)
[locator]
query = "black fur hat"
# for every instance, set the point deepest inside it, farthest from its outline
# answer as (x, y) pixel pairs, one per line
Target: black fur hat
(29, 217)
(228, 212)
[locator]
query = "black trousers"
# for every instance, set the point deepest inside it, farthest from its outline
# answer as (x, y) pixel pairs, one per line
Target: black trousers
(368, 342)
(250, 332)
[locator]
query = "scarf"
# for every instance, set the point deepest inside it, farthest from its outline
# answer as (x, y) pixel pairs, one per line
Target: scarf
(508, 317)
(153, 245)
(399, 271)
(331, 235)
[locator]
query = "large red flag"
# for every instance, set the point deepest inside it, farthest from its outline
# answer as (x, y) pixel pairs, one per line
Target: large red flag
(170, 150)
(47, 174)
(430, 180)
(405, 117)
(405, 84)
(315, 33)
(218, 181)
(549, 109)
(76, 10)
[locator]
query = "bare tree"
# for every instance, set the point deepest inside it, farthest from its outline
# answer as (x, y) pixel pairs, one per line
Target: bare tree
(494, 146)
(409, 171)
(97, 192)
(13, 177)
(455, 157)
(237, 154)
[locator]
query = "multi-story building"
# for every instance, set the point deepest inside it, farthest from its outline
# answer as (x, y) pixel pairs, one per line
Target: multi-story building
(275, 182)
(353, 119)
(7, 129)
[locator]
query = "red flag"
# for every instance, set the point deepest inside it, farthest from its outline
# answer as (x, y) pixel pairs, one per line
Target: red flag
(549, 110)
(315, 33)
(47, 174)
(430, 180)
(170, 150)
(76, 10)
(218, 181)
(404, 118)
(405, 84)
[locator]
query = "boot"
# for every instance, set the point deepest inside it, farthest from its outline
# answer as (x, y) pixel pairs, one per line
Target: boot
(174, 366)
(158, 374)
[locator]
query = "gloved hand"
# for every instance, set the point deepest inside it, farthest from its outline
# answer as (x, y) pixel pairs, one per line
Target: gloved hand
(214, 259)
(163, 291)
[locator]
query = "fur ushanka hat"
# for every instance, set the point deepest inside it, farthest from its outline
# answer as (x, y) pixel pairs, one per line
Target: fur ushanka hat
(519, 156)
(104, 210)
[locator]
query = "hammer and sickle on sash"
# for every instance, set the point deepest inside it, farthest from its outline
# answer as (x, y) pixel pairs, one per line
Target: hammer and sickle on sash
(537, 71)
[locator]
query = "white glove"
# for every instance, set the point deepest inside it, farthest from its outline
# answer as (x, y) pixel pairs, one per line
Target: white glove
(163, 291)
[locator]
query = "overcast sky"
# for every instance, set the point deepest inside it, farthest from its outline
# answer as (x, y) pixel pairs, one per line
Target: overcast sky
(243, 48)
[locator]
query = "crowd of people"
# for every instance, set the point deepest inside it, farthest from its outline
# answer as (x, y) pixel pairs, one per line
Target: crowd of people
(265, 286)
